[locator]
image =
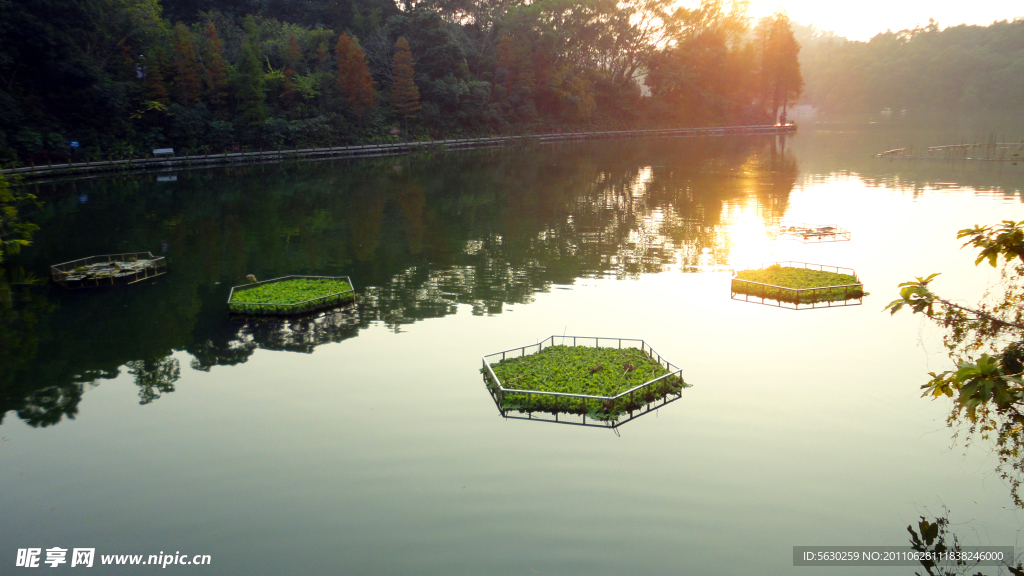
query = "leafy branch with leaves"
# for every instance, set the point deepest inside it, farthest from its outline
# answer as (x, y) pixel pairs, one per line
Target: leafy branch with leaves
(986, 340)
(15, 233)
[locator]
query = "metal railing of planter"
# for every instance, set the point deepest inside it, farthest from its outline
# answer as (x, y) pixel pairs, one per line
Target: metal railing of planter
(798, 293)
(499, 391)
(808, 233)
(268, 308)
(131, 267)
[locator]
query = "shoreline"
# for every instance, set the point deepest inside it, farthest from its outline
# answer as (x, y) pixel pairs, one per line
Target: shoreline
(376, 150)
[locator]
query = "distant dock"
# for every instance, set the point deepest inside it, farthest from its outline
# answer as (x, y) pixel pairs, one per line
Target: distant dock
(990, 152)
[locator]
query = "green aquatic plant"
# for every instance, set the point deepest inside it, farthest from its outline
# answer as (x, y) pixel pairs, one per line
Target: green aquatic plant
(605, 372)
(290, 296)
(797, 285)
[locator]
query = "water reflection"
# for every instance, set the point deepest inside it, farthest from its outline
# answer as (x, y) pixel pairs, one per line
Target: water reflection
(241, 338)
(154, 377)
(481, 229)
(843, 148)
(572, 419)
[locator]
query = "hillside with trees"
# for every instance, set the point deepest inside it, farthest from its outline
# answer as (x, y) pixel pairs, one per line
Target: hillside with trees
(960, 69)
(122, 77)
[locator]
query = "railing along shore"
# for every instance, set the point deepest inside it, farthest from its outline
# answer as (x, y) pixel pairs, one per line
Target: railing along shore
(372, 150)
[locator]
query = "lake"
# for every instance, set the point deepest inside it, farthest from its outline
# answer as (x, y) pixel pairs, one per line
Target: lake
(144, 420)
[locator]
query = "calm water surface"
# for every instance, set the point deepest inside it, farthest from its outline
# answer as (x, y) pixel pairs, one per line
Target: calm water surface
(141, 420)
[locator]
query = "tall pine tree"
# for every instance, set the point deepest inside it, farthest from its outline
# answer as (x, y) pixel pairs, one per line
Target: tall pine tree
(781, 80)
(187, 84)
(292, 53)
(289, 95)
(354, 80)
(216, 69)
(249, 80)
(404, 93)
(156, 65)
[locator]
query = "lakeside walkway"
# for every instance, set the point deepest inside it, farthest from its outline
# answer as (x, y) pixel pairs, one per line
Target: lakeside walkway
(373, 150)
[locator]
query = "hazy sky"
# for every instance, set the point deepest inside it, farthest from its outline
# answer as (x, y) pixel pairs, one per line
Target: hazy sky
(864, 19)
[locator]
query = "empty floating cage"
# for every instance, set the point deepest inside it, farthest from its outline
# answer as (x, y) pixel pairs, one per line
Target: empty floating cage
(108, 270)
(813, 233)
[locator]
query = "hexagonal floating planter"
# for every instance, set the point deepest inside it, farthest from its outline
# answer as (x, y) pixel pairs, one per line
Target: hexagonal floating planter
(798, 285)
(570, 379)
(813, 233)
(108, 270)
(291, 295)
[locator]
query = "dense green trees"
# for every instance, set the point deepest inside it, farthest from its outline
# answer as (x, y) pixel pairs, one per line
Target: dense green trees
(721, 68)
(959, 69)
(125, 76)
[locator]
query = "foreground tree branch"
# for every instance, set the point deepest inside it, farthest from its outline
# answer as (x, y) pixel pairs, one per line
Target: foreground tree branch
(987, 343)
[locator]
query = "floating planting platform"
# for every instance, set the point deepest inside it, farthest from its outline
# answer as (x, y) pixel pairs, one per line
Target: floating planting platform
(813, 233)
(108, 270)
(291, 295)
(580, 377)
(798, 285)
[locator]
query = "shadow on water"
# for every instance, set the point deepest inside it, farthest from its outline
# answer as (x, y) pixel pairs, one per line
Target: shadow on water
(423, 234)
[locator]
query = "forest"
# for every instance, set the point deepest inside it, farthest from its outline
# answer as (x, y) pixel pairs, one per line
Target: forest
(960, 69)
(102, 79)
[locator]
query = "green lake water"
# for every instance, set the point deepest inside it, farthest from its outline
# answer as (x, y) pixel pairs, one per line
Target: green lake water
(142, 420)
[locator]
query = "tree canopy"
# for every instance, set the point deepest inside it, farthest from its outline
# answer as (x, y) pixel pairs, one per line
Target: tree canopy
(960, 68)
(124, 76)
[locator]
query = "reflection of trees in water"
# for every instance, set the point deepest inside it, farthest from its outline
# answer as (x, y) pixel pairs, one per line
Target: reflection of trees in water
(241, 338)
(23, 324)
(154, 377)
(586, 211)
(47, 406)
(481, 228)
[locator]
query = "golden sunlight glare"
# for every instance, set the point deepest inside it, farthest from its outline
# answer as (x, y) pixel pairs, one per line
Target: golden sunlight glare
(863, 20)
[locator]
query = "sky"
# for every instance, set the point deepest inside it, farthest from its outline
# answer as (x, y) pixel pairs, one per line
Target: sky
(865, 18)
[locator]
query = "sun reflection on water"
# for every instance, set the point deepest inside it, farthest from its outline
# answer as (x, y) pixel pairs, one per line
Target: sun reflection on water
(748, 237)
